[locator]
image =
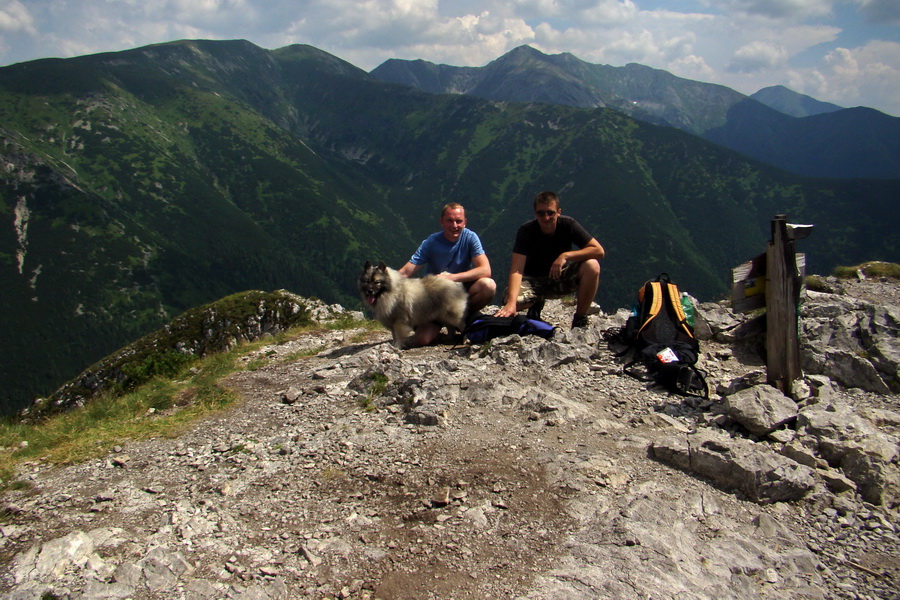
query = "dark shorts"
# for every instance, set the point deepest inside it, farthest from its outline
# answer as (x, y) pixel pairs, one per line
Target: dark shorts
(544, 287)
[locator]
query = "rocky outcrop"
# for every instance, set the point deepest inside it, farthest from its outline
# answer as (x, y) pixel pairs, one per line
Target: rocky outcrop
(214, 327)
(852, 341)
(761, 474)
(524, 468)
(865, 452)
(760, 409)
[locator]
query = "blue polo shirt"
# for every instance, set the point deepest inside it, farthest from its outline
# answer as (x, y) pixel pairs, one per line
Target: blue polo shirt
(440, 254)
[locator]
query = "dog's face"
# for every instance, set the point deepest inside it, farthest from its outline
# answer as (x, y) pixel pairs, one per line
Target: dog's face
(373, 282)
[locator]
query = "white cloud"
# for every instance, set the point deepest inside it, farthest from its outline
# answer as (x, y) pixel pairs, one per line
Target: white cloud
(885, 12)
(692, 67)
(757, 56)
(858, 75)
(379, 30)
(14, 16)
(554, 9)
(778, 9)
(802, 37)
(607, 14)
(471, 40)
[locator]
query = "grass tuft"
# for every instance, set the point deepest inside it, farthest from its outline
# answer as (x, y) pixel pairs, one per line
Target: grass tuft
(176, 396)
(160, 408)
(817, 283)
(869, 269)
(378, 384)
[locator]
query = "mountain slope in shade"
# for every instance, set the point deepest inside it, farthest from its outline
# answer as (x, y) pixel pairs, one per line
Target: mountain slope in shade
(848, 143)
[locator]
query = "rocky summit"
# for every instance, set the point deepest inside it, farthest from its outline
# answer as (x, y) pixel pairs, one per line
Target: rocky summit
(523, 468)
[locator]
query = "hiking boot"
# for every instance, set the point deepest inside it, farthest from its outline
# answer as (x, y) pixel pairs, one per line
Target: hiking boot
(579, 321)
(534, 312)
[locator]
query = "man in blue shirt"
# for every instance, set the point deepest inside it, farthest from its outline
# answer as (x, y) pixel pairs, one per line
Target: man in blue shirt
(456, 253)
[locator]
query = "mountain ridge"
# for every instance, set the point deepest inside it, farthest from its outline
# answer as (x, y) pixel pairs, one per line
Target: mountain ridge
(714, 112)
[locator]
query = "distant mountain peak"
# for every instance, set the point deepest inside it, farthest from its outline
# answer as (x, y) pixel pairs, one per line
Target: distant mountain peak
(792, 103)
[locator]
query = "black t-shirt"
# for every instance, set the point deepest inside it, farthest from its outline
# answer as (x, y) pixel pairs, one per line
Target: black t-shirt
(541, 250)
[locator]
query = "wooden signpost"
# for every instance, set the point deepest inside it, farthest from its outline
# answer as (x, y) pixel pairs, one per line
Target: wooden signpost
(773, 280)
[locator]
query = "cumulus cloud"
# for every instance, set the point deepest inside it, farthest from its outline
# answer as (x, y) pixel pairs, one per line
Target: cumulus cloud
(692, 67)
(607, 14)
(551, 9)
(857, 75)
(15, 17)
(802, 37)
(471, 40)
(756, 56)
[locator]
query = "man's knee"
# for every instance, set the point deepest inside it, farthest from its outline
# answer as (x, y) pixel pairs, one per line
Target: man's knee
(482, 292)
(486, 285)
(482, 287)
(589, 269)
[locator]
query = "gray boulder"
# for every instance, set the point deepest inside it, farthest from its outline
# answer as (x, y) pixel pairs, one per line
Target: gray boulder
(760, 409)
(715, 321)
(852, 341)
(851, 442)
(736, 464)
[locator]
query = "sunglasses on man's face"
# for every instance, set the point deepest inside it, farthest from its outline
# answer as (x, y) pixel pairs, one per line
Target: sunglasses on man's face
(545, 213)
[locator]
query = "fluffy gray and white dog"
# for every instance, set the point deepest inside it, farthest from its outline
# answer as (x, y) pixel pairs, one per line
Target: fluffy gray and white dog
(403, 303)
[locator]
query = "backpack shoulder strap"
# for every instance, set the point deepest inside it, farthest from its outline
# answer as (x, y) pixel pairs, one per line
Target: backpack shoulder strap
(654, 288)
(673, 297)
(691, 382)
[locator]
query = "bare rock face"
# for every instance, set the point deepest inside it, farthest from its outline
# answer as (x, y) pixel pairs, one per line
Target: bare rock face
(863, 451)
(523, 469)
(759, 472)
(761, 409)
(852, 341)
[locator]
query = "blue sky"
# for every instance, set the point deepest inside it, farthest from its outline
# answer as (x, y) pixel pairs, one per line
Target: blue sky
(842, 51)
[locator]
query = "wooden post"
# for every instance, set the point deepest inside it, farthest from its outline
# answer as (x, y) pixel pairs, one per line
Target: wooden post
(783, 283)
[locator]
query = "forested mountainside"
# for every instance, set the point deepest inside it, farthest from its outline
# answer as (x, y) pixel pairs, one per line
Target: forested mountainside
(831, 142)
(139, 184)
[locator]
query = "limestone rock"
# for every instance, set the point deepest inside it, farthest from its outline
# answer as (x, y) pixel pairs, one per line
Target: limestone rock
(737, 464)
(864, 453)
(760, 409)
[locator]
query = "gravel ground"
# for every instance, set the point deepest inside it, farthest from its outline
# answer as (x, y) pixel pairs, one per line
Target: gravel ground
(511, 481)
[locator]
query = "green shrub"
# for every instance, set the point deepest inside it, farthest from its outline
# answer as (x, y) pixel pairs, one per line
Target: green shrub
(817, 283)
(166, 363)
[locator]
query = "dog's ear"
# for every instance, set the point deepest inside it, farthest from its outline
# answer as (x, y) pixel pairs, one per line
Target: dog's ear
(382, 266)
(367, 266)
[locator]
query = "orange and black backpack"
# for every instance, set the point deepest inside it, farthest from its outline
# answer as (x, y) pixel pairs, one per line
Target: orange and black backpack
(660, 340)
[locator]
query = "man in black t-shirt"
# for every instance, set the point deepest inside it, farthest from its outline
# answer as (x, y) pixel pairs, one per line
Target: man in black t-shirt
(545, 265)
